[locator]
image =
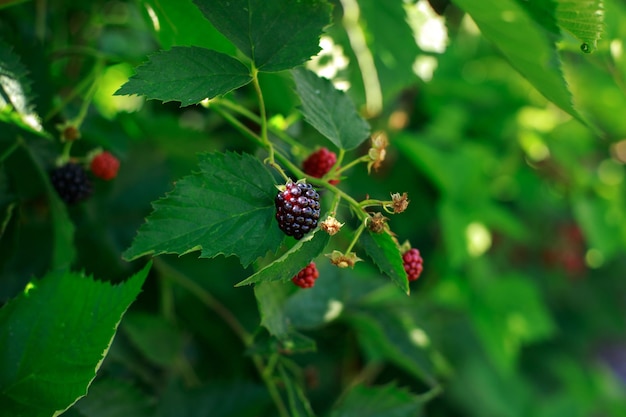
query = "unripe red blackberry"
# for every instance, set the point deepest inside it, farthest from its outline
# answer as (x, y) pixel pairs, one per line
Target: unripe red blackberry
(105, 166)
(71, 183)
(306, 277)
(319, 163)
(413, 263)
(297, 209)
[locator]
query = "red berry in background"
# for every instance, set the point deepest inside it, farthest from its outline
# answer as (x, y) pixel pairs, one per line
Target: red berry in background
(105, 166)
(319, 163)
(297, 209)
(413, 263)
(306, 277)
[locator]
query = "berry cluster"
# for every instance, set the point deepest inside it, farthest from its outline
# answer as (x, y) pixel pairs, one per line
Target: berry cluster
(71, 183)
(297, 209)
(319, 163)
(306, 277)
(413, 263)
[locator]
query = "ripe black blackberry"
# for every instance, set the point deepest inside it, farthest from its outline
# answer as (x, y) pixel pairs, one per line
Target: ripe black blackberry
(413, 263)
(306, 277)
(297, 209)
(71, 183)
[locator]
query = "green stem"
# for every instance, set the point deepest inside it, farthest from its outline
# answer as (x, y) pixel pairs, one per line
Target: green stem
(280, 134)
(11, 149)
(356, 237)
(206, 298)
(430, 394)
(271, 386)
(262, 112)
(243, 129)
(212, 303)
(364, 158)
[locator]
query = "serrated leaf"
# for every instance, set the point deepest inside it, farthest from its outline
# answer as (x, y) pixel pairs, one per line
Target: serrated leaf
(225, 208)
(15, 95)
(289, 264)
(187, 74)
(389, 335)
(386, 255)
(115, 398)
(276, 34)
(529, 47)
(381, 401)
(329, 110)
(582, 18)
(53, 338)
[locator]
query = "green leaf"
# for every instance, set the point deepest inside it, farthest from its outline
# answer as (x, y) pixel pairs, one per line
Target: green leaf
(393, 336)
(381, 401)
(385, 254)
(276, 34)
(15, 94)
(271, 297)
(507, 314)
(53, 338)
(180, 23)
(187, 74)
(582, 18)
(155, 338)
(528, 46)
(329, 110)
(289, 264)
(115, 398)
(201, 213)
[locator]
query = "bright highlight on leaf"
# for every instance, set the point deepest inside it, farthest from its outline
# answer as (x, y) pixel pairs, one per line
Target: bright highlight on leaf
(53, 340)
(582, 18)
(188, 75)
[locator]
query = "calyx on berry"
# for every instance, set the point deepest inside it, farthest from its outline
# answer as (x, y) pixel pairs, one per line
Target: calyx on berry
(297, 208)
(340, 260)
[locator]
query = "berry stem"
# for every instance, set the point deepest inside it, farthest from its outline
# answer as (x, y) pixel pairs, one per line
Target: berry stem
(357, 235)
(262, 113)
(240, 126)
(280, 133)
(364, 158)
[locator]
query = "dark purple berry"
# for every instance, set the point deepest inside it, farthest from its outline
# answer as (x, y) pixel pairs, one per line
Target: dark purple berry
(297, 209)
(413, 263)
(71, 183)
(306, 277)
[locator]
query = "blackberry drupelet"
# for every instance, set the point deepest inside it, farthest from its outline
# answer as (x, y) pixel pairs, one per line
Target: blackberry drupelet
(297, 209)
(71, 183)
(319, 163)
